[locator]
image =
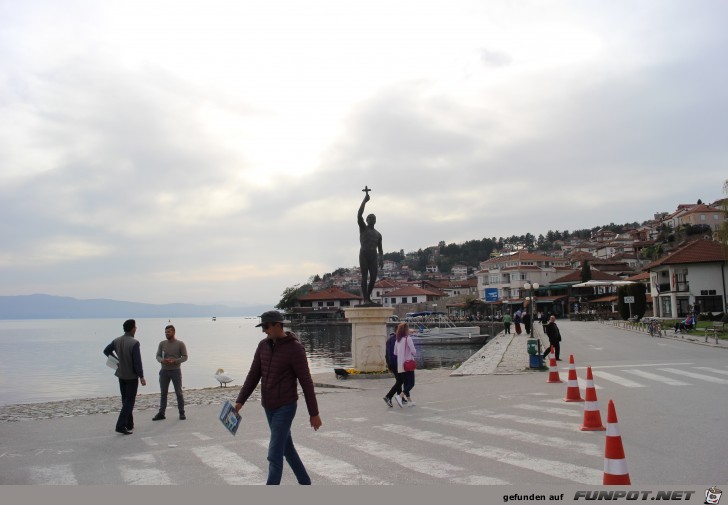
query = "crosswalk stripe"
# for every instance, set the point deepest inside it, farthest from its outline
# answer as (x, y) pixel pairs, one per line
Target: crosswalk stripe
(149, 441)
(414, 462)
(549, 410)
(656, 377)
(137, 474)
(523, 436)
(53, 475)
(229, 466)
(201, 436)
(694, 375)
(714, 370)
(553, 468)
(335, 470)
(559, 425)
(617, 379)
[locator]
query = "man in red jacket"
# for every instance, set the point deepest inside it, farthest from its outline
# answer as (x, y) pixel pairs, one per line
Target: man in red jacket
(279, 363)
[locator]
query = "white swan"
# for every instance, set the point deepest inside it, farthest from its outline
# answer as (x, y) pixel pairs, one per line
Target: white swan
(222, 378)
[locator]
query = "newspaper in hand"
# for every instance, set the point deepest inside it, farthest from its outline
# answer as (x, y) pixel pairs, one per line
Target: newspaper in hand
(229, 418)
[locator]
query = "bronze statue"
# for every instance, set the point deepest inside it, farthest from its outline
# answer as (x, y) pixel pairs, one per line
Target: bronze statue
(371, 255)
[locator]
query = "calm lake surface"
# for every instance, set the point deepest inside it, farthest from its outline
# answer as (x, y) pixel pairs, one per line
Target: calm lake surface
(60, 359)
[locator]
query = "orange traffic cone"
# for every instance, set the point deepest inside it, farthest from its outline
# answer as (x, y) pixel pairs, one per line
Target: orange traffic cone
(553, 370)
(592, 417)
(615, 464)
(572, 388)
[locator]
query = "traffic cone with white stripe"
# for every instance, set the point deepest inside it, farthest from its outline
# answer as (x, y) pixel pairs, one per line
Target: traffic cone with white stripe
(615, 464)
(592, 417)
(553, 369)
(572, 386)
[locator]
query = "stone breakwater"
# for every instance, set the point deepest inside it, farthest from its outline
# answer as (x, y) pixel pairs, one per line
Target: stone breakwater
(112, 404)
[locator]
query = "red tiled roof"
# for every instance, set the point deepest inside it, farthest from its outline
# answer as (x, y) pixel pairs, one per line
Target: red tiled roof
(414, 291)
(596, 275)
(639, 277)
(328, 294)
(697, 251)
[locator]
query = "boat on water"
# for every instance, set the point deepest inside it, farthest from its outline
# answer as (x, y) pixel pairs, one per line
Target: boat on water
(435, 328)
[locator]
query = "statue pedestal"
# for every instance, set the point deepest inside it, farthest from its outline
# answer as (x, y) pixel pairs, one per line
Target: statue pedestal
(368, 337)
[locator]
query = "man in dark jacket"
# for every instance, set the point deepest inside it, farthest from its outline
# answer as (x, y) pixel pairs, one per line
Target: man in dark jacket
(126, 349)
(392, 365)
(552, 331)
(279, 363)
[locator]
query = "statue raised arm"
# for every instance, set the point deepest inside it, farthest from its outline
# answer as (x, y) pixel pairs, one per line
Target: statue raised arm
(371, 255)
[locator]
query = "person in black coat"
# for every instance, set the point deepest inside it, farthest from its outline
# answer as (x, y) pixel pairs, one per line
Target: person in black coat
(552, 331)
(392, 365)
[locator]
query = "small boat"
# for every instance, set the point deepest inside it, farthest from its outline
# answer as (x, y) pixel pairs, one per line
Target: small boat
(214, 318)
(433, 328)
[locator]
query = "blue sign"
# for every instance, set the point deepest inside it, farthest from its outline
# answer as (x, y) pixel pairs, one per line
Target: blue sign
(491, 294)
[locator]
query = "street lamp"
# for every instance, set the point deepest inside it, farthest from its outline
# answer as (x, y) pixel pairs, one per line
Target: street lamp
(531, 288)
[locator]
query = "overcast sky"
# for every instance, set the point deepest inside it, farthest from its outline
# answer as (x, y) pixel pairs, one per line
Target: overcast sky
(214, 151)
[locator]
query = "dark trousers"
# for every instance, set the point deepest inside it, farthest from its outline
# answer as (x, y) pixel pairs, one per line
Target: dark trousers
(507, 327)
(281, 445)
(409, 382)
(397, 388)
(128, 390)
(176, 377)
(557, 349)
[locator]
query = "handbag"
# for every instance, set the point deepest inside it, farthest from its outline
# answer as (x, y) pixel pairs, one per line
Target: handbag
(410, 364)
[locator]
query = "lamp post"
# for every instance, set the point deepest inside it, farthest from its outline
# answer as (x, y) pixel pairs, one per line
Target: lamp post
(531, 288)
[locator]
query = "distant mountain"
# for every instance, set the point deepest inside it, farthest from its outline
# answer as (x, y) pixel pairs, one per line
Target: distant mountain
(62, 307)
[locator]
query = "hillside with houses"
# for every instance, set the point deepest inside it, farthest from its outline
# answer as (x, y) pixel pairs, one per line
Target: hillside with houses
(678, 257)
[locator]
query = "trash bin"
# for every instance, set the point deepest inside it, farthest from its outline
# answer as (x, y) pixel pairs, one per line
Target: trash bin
(533, 346)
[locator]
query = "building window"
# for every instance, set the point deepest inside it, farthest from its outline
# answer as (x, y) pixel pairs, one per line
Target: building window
(329, 304)
(414, 299)
(320, 304)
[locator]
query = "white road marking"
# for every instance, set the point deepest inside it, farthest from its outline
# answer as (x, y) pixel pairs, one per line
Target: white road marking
(143, 475)
(656, 377)
(694, 375)
(149, 441)
(413, 462)
(229, 466)
(53, 475)
(714, 370)
(549, 410)
(559, 425)
(617, 379)
(201, 436)
(531, 438)
(553, 468)
(335, 470)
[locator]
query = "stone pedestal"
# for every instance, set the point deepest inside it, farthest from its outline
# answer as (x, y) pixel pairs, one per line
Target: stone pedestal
(368, 337)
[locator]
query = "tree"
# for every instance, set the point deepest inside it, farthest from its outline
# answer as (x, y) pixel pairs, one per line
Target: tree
(586, 272)
(291, 295)
(723, 231)
(472, 305)
(638, 291)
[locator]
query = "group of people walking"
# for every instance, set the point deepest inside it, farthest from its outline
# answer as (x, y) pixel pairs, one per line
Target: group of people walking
(399, 350)
(279, 365)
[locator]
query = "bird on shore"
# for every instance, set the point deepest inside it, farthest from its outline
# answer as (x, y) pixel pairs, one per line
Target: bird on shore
(222, 378)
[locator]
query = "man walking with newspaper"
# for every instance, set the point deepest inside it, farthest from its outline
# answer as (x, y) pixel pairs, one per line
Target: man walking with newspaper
(279, 363)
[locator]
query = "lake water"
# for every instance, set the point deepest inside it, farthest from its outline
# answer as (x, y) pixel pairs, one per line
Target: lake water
(60, 359)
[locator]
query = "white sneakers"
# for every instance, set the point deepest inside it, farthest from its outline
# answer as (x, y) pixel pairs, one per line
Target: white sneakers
(399, 400)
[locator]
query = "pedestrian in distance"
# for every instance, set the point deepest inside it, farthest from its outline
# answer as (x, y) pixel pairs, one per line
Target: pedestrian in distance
(526, 319)
(517, 321)
(127, 351)
(279, 364)
(507, 323)
(405, 350)
(391, 360)
(552, 331)
(171, 353)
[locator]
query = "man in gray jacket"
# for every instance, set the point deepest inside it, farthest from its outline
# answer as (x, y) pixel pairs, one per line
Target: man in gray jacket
(171, 353)
(130, 372)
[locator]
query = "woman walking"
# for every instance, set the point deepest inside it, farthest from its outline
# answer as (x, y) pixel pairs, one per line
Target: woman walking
(404, 349)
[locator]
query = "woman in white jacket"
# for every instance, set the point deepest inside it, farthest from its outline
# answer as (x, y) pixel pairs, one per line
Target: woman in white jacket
(404, 349)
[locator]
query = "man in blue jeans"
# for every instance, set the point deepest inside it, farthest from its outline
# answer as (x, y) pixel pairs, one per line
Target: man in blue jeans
(279, 364)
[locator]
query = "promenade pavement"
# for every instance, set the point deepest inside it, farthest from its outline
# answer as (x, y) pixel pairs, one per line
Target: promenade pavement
(461, 431)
